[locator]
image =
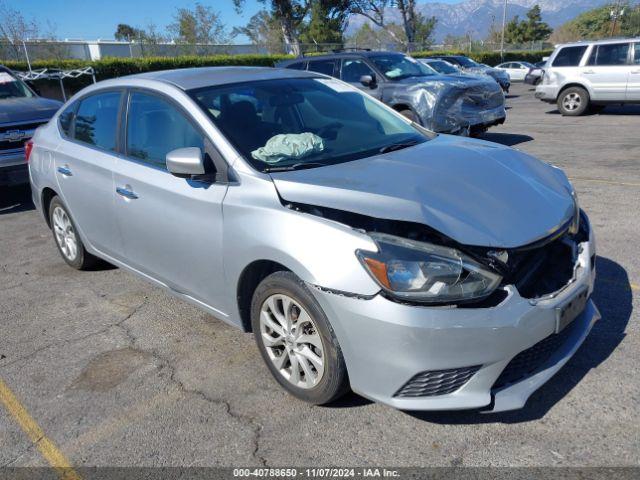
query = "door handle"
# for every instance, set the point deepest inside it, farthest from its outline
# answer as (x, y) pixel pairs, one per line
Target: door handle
(125, 192)
(65, 171)
(635, 72)
(588, 72)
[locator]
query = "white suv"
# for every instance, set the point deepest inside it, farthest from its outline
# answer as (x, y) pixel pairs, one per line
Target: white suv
(594, 74)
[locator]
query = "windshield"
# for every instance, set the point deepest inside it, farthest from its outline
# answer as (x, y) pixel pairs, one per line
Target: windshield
(443, 67)
(397, 67)
(303, 122)
(467, 62)
(11, 87)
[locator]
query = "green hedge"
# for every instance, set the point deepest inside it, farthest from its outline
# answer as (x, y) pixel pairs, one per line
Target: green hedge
(493, 58)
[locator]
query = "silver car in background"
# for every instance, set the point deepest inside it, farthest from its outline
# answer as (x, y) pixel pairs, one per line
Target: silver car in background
(590, 75)
(424, 271)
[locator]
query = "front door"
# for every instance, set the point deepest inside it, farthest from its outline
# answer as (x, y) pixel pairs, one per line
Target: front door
(607, 71)
(353, 69)
(633, 82)
(171, 227)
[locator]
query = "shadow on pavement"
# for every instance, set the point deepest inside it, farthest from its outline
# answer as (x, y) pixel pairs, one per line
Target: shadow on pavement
(613, 297)
(15, 199)
(508, 139)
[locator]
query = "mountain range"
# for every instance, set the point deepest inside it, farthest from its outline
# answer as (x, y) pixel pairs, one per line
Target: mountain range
(474, 17)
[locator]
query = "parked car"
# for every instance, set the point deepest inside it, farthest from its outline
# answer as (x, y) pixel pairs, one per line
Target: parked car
(469, 66)
(21, 112)
(517, 71)
(441, 66)
(440, 272)
(534, 76)
(442, 104)
(592, 74)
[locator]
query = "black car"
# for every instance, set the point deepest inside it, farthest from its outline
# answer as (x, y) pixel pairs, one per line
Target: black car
(442, 103)
(21, 112)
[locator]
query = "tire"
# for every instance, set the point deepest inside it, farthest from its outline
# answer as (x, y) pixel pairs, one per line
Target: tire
(283, 301)
(573, 101)
(67, 239)
(408, 113)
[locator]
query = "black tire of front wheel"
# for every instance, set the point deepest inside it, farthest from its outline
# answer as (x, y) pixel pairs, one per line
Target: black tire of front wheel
(334, 382)
(408, 113)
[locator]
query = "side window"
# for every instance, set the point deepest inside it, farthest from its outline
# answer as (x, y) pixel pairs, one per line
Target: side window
(155, 127)
(296, 66)
(352, 70)
(97, 120)
(65, 119)
(610, 54)
(569, 56)
(322, 66)
(636, 56)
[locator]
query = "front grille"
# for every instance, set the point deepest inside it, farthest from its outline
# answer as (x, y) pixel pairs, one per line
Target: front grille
(481, 97)
(530, 360)
(436, 382)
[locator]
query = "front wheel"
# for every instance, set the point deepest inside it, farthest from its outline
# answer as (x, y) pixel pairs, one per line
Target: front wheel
(573, 101)
(296, 340)
(408, 113)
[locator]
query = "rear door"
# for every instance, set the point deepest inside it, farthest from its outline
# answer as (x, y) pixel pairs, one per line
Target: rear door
(633, 82)
(607, 70)
(352, 69)
(171, 227)
(84, 163)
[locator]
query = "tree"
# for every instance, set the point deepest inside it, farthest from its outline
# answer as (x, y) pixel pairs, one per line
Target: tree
(290, 14)
(530, 29)
(262, 29)
(127, 33)
(327, 21)
(416, 27)
(592, 24)
(202, 25)
(631, 23)
(15, 29)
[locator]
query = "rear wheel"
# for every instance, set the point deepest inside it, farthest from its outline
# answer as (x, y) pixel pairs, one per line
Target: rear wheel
(573, 101)
(296, 340)
(66, 237)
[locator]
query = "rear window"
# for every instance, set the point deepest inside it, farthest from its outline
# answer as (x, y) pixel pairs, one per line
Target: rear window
(97, 119)
(322, 66)
(569, 56)
(610, 54)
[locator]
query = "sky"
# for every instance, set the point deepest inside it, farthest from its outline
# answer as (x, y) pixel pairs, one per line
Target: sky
(97, 19)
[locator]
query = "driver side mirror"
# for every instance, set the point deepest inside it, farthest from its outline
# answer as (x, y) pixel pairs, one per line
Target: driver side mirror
(368, 80)
(185, 162)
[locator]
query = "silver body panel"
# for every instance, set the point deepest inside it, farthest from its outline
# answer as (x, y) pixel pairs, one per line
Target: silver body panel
(196, 240)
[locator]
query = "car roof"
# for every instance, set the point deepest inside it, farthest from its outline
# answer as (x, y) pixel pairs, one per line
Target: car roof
(198, 77)
(346, 54)
(599, 42)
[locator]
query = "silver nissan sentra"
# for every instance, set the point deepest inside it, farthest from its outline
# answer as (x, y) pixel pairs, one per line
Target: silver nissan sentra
(424, 271)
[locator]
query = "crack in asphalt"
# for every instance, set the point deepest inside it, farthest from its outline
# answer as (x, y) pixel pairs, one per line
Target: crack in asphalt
(248, 420)
(28, 449)
(76, 339)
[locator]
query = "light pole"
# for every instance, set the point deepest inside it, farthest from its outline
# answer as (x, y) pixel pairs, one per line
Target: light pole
(504, 22)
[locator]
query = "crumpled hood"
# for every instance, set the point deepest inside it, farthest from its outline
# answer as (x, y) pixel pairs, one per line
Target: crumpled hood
(449, 80)
(14, 110)
(475, 192)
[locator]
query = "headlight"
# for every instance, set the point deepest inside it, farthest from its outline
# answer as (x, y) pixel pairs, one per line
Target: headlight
(427, 273)
(575, 222)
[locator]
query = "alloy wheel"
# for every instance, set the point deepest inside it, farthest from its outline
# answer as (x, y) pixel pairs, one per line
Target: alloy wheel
(292, 341)
(572, 101)
(65, 234)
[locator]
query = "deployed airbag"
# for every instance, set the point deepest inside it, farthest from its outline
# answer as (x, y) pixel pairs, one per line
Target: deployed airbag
(287, 146)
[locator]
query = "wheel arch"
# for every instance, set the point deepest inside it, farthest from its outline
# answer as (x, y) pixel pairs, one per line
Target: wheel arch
(45, 197)
(248, 281)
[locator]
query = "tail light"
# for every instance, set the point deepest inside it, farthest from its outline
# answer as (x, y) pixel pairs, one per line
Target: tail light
(28, 146)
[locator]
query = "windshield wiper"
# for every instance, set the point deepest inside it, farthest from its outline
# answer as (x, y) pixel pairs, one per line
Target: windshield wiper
(398, 146)
(295, 166)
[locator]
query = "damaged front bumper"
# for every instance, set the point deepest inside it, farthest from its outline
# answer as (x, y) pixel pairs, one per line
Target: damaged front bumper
(447, 358)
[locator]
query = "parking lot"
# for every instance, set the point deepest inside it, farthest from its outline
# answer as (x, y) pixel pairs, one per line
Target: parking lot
(116, 372)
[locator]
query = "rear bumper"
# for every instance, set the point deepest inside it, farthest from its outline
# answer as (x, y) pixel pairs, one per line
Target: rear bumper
(547, 93)
(386, 345)
(13, 168)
